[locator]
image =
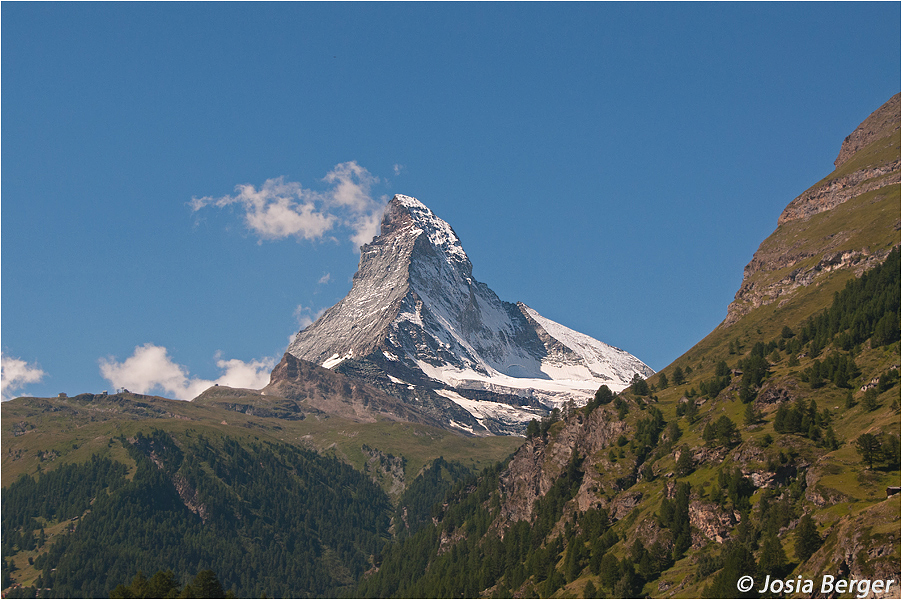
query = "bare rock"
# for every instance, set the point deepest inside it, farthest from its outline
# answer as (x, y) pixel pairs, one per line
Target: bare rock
(861, 546)
(711, 521)
(624, 503)
(538, 463)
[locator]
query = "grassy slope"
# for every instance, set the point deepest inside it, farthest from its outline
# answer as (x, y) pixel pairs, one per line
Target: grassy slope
(862, 506)
(837, 471)
(869, 222)
(71, 430)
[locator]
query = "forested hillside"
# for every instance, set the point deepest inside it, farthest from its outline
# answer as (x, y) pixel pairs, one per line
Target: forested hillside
(268, 519)
(769, 456)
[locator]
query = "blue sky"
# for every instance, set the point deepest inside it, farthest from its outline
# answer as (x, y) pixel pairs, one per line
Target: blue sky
(613, 166)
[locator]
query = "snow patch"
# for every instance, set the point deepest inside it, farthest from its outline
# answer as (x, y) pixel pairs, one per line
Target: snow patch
(335, 360)
(482, 410)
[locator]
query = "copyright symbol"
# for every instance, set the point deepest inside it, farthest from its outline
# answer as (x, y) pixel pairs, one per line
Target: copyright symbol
(745, 583)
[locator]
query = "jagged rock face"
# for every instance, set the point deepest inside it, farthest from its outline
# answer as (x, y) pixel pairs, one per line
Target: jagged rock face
(538, 463)
(416, 318)
(319, 389)
(882, 122)
(868, 166)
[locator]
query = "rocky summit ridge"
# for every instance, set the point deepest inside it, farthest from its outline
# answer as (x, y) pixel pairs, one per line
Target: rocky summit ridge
(859, 199)
(419, 326)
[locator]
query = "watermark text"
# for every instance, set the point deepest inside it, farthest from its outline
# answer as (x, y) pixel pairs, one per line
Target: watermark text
(828, 584)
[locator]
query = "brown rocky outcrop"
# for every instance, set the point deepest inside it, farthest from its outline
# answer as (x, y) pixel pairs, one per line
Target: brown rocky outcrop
(313, 386)
(825, 196)
(189, 496)
(710, 522)
(624, 504)
(538, 463)
(773, 394)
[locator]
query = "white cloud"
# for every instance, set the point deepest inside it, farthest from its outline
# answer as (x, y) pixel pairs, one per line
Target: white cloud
(150, 368)
(398, 168)
(277, 210)
(352, 186)
(366, 227)
(305, 316)
(282, 209)
(253, 375)
(325, 279)
(15, 374)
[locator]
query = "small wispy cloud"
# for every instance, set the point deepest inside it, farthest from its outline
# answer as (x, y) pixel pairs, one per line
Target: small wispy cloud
(398, 168)
(325, 279)
(15, 374)
(150, 369)
(281, 209)
(306, 316)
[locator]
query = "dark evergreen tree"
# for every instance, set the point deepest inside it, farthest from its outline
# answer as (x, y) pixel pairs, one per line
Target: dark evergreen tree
(205, 585)
(726, 431)
(639, 386)
(684, 462)
(738, 561)
(773, 559)
(807, 539)
(604, 395)
(869, 447)
(752, 416)
(869, 401)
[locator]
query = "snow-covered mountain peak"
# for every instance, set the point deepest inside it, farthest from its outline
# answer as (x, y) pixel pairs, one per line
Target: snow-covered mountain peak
(418, 325)
(405, 213)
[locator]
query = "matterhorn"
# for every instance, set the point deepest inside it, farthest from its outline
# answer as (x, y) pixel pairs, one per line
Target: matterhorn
(417, 325)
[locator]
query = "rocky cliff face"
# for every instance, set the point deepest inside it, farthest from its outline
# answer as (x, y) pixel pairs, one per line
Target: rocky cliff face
(540, 461)
(319, 389)
(419, 326)
(798, 253)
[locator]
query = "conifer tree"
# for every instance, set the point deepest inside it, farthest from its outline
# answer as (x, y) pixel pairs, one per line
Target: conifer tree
(751, 415)
(773, 559)
(869, 447)
(684, 462)
(807, 538)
